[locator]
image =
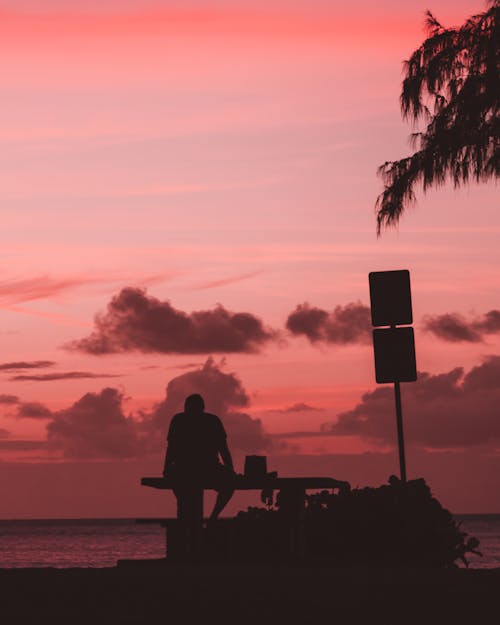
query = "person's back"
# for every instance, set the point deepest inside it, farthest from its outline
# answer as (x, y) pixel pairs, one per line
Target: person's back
(195, 439)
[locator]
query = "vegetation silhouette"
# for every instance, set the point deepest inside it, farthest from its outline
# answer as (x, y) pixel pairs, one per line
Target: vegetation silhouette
(395, 525)
(453, 82)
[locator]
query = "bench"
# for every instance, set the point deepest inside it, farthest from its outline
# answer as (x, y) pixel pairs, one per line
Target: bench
(185, 532)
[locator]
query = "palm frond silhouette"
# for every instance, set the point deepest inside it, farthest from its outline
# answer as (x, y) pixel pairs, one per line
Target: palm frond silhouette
(452, 82)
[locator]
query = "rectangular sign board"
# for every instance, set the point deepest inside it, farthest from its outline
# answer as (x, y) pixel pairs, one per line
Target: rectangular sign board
(390, 298)
(394, 350)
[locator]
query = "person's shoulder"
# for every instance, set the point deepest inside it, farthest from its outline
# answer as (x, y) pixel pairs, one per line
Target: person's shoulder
(215, 422)
(212, 417)
(177, 417)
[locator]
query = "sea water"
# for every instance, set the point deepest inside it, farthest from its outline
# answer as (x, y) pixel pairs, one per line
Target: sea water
(102, 542)
(77, 543)
(486, 528)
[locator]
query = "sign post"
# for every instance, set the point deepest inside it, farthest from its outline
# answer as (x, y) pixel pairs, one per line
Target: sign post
(394, 347)
(401, 440)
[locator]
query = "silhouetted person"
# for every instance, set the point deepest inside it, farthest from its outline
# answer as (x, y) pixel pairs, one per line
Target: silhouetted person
(196, 439)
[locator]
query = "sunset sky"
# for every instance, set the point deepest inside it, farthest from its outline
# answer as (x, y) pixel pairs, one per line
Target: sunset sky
(193, 172)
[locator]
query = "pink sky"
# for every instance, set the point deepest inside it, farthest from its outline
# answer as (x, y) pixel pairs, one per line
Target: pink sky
(226, 153)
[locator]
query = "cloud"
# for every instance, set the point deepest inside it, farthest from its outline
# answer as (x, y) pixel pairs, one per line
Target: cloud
(345, 324)
(15, 291)
(68, 375)
(22, 445)
(135, 321)
(450, 410)
(455, 328)
(302, 434)
(19, 290)
(32, 364)
(33, 410)
(94, 427)
(298, 407)
(4, 433)
(214, 284)
(9, 399)
(224, 396)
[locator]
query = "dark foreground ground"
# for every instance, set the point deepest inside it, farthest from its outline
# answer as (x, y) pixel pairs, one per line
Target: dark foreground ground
(155, 593)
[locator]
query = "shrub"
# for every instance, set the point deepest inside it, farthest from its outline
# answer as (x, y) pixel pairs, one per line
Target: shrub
(393, 525)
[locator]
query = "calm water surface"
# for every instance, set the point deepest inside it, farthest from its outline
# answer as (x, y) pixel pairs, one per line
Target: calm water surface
(78, 543)
(485, 527)
(100, 543)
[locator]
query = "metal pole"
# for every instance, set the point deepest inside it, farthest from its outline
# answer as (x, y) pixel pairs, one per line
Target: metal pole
(401, 442)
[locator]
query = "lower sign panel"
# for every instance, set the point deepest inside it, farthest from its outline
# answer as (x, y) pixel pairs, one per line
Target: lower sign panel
(394, 350)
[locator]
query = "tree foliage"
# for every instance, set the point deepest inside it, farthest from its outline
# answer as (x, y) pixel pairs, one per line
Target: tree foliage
(452, 82)
(395, 525)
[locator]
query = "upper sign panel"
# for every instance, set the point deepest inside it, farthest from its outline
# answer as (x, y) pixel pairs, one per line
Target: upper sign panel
(390, 298)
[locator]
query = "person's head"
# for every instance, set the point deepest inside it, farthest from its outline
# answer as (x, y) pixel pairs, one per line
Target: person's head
(194, 403)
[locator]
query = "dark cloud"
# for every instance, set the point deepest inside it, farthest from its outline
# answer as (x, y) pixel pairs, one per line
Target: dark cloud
(33, 410)
(224, 396)
(9, 399)
(302, 434)
(490, 323)
(345, 324)
(484, 378)
(189, 365)
(447, 411)
(451, 327)
(455, 328)
(4, 433)
(95, 426)
(68, 375)
(135, 321)
(22, 445)
(31, 364)
(298, 407)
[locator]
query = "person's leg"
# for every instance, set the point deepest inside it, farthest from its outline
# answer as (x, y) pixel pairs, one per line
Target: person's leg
(225, 490)
(223, 497)
(189, 496)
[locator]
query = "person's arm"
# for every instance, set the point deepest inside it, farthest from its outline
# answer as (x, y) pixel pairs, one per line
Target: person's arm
(225, 454)
(170, 453)
(169, 458)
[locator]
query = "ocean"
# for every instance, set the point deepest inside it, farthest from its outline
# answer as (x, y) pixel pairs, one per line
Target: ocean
(486, 528)
(102, 542)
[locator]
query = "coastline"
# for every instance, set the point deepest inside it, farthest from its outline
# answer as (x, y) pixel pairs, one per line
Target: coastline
(150, 591)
